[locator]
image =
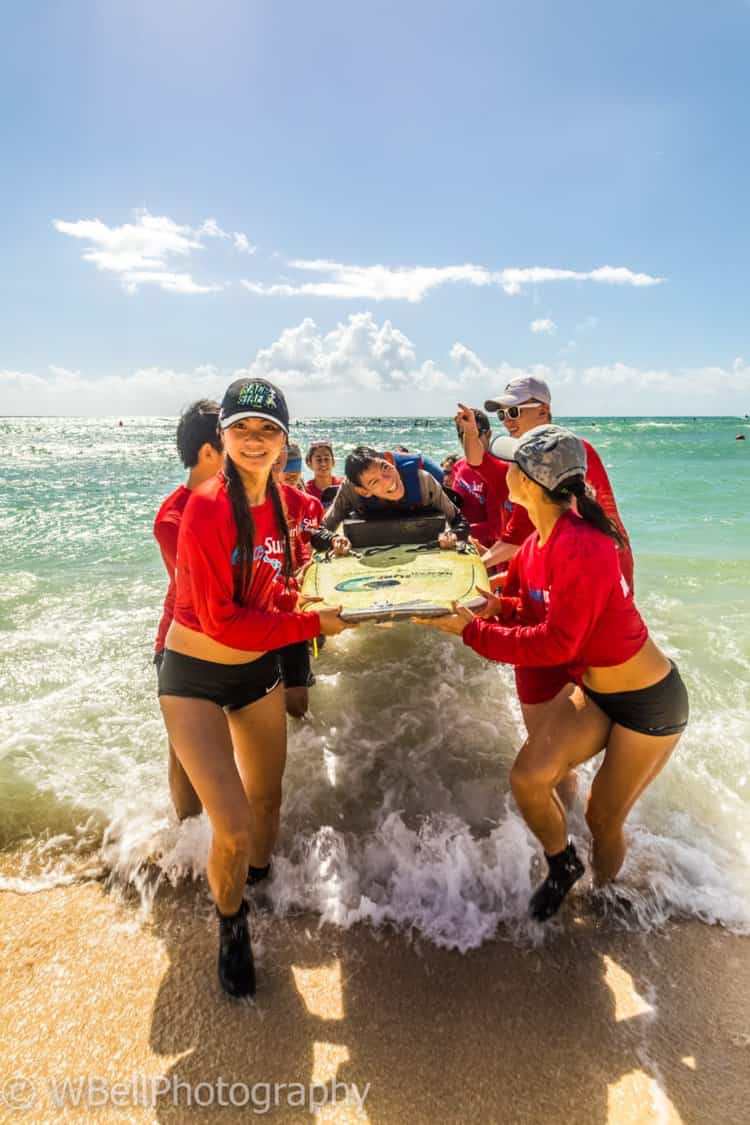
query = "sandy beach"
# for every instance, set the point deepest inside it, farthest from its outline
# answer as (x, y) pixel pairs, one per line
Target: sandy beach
(599, 1025)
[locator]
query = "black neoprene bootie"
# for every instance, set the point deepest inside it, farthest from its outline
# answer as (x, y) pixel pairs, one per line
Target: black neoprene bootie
(236, 968)
(565, 869)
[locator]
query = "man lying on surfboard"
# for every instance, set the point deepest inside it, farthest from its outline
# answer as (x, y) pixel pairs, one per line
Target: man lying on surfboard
(381, 483)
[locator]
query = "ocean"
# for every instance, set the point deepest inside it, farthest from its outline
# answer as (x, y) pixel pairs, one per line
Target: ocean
(397, 806)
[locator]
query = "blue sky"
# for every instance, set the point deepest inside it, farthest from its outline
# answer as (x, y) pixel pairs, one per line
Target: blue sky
(190, 190)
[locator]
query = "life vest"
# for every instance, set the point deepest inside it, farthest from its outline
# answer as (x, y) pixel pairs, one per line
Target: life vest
(408, 466)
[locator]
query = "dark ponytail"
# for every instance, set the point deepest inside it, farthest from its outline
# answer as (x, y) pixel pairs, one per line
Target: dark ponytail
(243, 518)
(279, 509)
(588, 509)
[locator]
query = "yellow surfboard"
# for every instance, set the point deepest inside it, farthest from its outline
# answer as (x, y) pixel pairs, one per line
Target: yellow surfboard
(396, 583)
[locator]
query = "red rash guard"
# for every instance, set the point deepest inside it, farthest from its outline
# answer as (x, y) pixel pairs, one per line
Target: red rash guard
(482, 503)
(573, 589)
(297, 505)
(166, 531)
(312, 518)
(312, 489)
(516, 523)
(206, 578)
(598, 482)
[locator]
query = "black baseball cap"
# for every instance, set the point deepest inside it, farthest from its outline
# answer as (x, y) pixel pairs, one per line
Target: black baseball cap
(254, 398)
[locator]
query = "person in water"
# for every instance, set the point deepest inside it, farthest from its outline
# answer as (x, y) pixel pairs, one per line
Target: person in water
(526, 403)
(566, 602)
(303, 515)
(292, 474)
(321, 459)
(379, 483)
(220, 684)
(482, 503)
(199, 447)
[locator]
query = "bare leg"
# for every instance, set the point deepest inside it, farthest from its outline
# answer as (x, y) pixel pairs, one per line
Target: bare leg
(297, 701)
(184, 798)
(259, 737)
(571, 730)
(199, 733)
(533, 715)
(630, 764)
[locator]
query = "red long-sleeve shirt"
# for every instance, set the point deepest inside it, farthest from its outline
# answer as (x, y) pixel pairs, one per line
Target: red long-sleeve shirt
(516, 525)
(166, 532)
(574, 591)
(304, 515)
(206, 571)
(482, 502)
(312, 489)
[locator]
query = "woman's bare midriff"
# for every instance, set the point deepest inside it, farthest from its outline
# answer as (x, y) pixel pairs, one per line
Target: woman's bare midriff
(188, 642)
(647, 667)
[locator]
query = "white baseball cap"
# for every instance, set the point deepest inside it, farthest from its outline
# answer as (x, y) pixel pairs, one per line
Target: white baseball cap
(521, 389)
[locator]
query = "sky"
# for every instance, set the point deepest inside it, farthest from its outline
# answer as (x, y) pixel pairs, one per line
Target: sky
(385, 208)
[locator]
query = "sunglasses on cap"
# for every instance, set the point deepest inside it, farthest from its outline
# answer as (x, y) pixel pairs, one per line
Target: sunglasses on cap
(514, 412)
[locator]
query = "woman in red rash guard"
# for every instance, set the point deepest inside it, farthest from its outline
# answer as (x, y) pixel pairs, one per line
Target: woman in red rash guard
(574, 607)
(219, 681)
(321, 459)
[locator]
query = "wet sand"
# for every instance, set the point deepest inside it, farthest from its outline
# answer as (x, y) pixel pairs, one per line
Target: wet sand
(598, 1025)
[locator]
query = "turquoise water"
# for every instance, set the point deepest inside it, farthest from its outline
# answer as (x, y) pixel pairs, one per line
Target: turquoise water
(397, 805)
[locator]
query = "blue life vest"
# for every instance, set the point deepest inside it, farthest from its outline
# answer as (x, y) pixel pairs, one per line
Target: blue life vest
(432, 468)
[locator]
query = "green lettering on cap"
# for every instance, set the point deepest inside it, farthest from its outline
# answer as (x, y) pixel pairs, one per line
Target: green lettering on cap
(258, 395)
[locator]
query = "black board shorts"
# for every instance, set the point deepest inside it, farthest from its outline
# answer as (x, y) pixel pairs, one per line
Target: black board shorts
(231, 686)
(295, 665)
(658, 710)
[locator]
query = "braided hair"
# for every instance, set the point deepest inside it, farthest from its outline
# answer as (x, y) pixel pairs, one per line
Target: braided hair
(243, 519)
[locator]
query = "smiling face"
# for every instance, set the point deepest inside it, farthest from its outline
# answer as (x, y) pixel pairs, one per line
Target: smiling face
(254, 444)
(321, 461)
(531, 414)
(381, 480)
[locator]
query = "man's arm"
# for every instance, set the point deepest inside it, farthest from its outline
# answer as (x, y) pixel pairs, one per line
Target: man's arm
(433, 496)
(346, 501)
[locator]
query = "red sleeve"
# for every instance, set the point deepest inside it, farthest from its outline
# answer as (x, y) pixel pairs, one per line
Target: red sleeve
(166, 533)
(206, 556)
(598, 482)
(493, 472)
(517, 525)
(581, 580)
(488, 531)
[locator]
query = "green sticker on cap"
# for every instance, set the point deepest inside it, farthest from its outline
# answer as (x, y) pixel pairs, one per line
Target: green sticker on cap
(258, 395)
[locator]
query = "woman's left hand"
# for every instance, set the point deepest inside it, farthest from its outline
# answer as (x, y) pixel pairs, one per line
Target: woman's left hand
(454, 622)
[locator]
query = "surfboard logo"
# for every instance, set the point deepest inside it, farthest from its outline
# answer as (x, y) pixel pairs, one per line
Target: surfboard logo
(350, 585)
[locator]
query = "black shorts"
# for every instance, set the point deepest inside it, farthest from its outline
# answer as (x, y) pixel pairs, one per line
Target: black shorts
(658, 710)
(232, 686)
(295, 665)
(158, 659)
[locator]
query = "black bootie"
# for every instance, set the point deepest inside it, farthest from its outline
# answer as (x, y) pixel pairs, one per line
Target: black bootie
(236, 968)
(565, 869)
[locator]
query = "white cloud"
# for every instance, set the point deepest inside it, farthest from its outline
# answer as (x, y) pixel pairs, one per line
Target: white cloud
(142, 252)
(543, 327)
(242, 243)
(364, 366)
(413, 283)
(373, 283)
